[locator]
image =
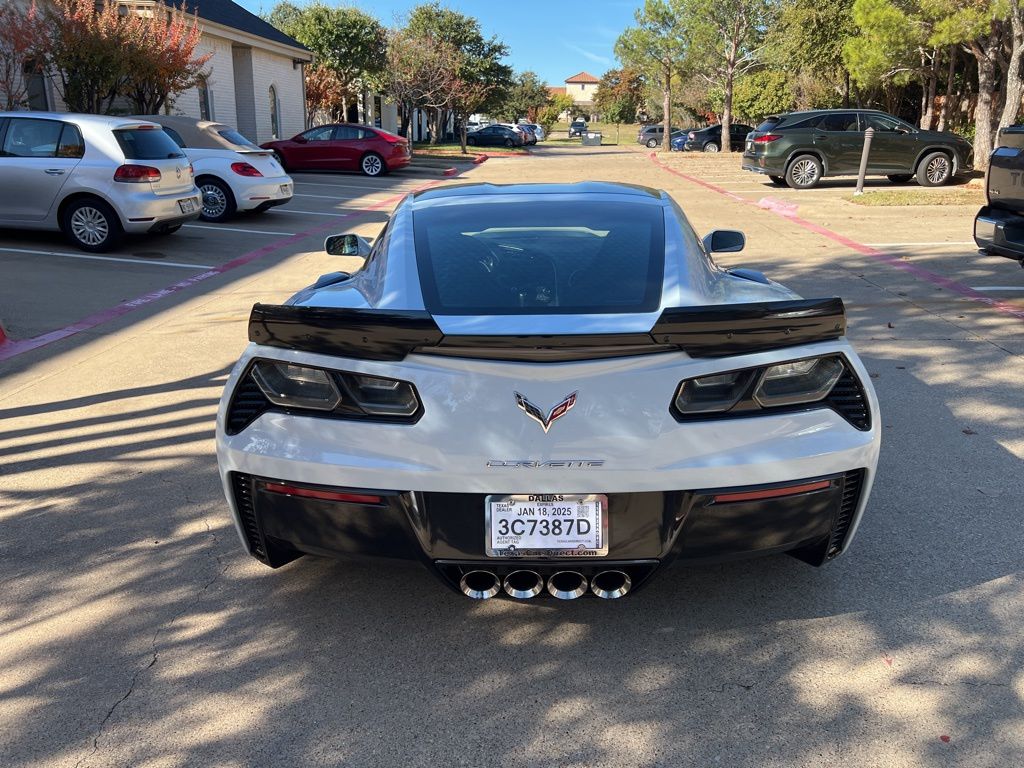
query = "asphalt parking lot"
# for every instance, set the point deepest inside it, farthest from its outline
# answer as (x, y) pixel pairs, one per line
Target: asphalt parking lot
(135, 632)
(48, 284)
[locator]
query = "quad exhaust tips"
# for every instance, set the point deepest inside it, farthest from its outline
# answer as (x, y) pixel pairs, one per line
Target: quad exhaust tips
(523, 585)
(480, 585)
(567, 585)
(611, 585)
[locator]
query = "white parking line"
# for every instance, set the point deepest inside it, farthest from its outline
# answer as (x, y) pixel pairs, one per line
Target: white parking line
(342, 198)
(353, 186)
(313, 213)
(901, 245)
(243, 231)
(998, 288)
(147, 262)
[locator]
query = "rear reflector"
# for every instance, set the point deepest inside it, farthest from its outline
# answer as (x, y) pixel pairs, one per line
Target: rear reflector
(771, 493)
(312, 493)
(768, 137)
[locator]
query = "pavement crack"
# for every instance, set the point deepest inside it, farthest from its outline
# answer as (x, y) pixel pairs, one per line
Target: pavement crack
(955, 683)
(723, 686)
(154, 650)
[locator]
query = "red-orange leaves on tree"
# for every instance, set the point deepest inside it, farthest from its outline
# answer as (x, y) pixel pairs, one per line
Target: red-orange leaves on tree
(23, 40)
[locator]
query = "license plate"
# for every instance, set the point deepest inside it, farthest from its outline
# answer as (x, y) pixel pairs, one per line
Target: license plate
(553, 525)
(188, 205)
(750, 146)
(286, 189)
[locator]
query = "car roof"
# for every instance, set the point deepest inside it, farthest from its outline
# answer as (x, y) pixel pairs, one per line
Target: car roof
(93, 121)
(829, 112)
(581, 188)
(198, 134)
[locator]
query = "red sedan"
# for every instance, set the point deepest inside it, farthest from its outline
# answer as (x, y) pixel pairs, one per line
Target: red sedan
(343, 147)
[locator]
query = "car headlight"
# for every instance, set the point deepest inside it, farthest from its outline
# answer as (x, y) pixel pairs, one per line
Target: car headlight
(354, 395)
(745, 392)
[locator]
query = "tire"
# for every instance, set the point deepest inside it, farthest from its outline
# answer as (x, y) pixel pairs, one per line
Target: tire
(509, 143)
(711, 147)
(280, 160)
(900, 178)
(372, 164)
(934, 170)
(217, 199)
(92, 225)
(778, 181)
(470, 142)
(804, 172)
(652, 143)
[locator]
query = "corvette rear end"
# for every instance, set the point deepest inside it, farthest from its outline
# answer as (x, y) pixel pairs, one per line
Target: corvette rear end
(547, 390)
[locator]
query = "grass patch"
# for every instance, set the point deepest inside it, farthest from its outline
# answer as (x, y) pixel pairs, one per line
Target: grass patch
(901, 197)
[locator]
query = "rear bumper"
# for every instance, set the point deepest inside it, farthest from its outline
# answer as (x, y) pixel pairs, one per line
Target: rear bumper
(144, 212)
(649, 528)
(266, 194)
(1000, 232)
(394, 163)
(760, 165)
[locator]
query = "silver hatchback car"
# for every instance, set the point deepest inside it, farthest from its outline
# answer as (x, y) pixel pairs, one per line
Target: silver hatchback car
(93, 177)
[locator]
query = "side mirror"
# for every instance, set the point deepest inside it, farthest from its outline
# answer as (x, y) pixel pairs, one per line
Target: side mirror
(724, 241)
(347, 245)
(300, 139)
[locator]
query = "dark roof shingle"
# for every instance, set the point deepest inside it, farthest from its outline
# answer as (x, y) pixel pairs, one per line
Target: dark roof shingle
(233, 15)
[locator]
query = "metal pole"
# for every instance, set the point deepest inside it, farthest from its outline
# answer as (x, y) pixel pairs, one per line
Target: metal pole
(870, 132)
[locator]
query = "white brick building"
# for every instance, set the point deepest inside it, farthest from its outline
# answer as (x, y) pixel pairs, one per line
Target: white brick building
(255, 82)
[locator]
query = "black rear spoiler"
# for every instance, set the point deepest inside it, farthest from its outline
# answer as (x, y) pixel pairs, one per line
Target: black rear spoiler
(713, 331)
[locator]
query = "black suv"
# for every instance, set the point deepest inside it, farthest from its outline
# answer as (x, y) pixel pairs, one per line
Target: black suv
(999, 226)
(800, 148)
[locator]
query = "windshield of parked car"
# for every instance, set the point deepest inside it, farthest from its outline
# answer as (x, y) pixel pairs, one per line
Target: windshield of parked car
(146, 144)
(540, 257)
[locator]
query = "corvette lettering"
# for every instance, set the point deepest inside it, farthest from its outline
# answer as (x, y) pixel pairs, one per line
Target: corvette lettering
(555, 464)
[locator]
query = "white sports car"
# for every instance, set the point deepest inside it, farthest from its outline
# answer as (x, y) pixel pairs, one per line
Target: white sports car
(546, 389)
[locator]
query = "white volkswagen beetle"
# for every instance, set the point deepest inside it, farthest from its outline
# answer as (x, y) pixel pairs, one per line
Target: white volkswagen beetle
(232, 173)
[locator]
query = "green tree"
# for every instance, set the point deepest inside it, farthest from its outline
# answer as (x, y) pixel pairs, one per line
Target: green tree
(806, 42)
(350, 42)
(726, 39)
(657, 46)
(619, 96)
(762, 93)
(527, 96)
(559, 104)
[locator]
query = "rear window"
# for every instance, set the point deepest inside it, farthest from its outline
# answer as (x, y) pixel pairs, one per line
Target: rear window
(540, 258)
(236, 138)
(767, 124)
(147, 144)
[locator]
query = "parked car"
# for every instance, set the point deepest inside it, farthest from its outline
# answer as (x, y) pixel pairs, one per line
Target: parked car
(343, 147)
(524, 344)
(232, 173)
(577, 127)
(710, 139)
(652, 135)
(92, 177)
(535, 129)
(999, 225)
(679, 139)
(801, 148)
(496, 136)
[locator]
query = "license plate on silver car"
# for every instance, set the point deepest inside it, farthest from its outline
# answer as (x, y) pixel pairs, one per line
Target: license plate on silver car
(188, 205)
(546, 525)
(286, 189)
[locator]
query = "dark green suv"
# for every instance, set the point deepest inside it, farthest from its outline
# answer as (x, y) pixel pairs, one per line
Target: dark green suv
(800, 148)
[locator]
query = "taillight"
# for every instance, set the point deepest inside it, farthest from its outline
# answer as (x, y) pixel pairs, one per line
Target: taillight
(391, 138)
(137, 173)
(767, 138)
(244, 169)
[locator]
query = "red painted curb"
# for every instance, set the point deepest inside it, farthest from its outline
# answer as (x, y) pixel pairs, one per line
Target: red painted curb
(480, 159)
(3, 335)
(789, 214)
(449, 172)
(10, 348)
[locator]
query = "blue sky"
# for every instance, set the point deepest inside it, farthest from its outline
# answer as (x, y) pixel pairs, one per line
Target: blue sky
(555, 38)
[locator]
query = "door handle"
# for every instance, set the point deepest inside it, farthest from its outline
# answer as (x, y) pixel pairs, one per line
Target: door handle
(819, 137)
(55, 171)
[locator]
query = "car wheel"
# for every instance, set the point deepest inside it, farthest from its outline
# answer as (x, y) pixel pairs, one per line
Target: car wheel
(280, 160)
(934, 170)
(509, 143)
(778, 181)
(218, 202)
(92, 225)
(804, 172)
(900, 178)
(372, 164)
(470, 142)
(652, 143)
(711, 147)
